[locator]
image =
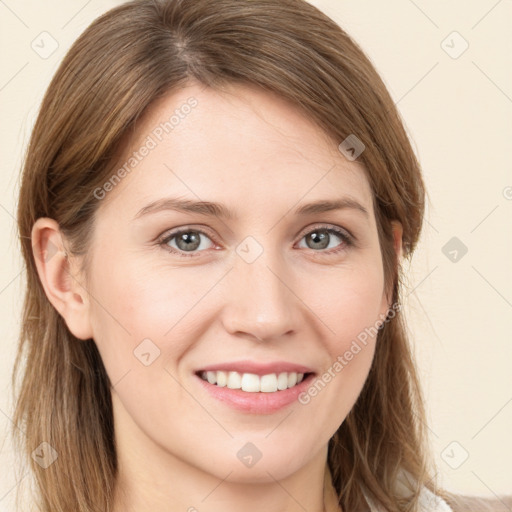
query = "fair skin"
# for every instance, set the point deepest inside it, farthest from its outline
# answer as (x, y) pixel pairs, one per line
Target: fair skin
(298, 301)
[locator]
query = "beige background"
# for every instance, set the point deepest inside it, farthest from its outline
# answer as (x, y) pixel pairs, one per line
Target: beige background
(458, 112)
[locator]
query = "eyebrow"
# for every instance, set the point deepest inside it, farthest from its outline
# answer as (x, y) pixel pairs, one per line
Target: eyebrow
(213, 209)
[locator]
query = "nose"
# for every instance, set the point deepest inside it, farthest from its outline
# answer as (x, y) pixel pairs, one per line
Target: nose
(259, 300)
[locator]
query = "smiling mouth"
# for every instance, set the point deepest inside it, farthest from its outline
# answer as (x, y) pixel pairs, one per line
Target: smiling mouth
(252, 383)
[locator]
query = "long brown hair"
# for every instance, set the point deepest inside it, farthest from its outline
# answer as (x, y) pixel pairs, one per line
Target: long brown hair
(123, 62)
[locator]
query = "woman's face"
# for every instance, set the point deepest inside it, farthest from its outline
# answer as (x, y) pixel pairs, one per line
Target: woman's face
(269, 289)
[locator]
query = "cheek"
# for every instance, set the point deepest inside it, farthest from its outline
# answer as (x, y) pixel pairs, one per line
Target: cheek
(352, 306)
(141, 326)
(349, 301)
(139, 309)
(132, 310)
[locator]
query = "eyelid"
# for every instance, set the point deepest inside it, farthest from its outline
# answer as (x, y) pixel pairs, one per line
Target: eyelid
(168, 235)
(327, 226)
(347, 237)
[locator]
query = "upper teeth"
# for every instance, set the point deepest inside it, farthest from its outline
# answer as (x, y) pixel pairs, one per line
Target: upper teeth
(253, 383)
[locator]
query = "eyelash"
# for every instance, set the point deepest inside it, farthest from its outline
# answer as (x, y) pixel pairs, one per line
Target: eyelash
(348, 240)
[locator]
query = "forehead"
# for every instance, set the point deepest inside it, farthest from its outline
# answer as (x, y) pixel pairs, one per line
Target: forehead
(241, 144)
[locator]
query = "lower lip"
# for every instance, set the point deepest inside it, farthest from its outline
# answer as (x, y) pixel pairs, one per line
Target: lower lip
(257, 403)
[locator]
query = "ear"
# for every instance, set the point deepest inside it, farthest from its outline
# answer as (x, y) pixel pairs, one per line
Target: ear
(397, 232)
(59, 277)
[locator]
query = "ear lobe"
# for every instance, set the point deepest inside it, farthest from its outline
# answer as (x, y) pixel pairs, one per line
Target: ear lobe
(57, 275)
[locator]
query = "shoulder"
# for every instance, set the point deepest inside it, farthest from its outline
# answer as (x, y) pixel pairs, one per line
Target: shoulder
(460, 503)
(450, 502)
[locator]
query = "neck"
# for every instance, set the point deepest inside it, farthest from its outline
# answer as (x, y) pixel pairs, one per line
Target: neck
(153, 479)
(183, 488)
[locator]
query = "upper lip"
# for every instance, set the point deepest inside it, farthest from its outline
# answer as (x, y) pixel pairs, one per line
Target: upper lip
(257, 368)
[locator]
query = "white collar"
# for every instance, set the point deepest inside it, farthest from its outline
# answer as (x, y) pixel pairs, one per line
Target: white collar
(429, 502)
